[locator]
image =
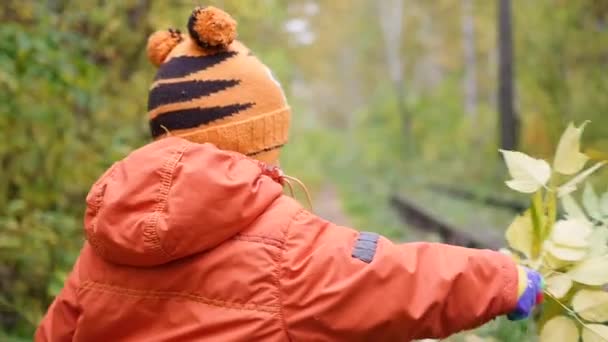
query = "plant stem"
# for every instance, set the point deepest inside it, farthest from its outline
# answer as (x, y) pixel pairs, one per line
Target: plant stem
(551, 202)
(574, 314)
(536, 213)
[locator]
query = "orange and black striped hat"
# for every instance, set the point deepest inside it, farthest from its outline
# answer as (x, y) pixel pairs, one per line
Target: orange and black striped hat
(211, 88)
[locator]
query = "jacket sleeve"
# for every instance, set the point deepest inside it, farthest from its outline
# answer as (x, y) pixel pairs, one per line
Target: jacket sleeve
(339, 284)
(59, 323)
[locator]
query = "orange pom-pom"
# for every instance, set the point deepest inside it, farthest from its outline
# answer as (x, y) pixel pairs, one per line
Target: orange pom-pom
(210, 27)
(161, 43)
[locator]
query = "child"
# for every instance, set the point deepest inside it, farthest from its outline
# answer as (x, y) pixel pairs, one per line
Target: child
(190, 238)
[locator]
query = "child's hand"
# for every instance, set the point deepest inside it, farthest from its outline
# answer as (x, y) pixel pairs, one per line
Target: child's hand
(531, 286)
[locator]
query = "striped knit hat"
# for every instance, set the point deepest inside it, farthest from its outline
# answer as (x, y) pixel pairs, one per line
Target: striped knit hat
(211, 88)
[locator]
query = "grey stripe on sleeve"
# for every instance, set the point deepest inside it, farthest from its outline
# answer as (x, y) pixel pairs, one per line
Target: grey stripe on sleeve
(365, 246)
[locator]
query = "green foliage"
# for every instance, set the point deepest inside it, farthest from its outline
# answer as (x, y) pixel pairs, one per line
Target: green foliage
(56, 140)
(73, 88)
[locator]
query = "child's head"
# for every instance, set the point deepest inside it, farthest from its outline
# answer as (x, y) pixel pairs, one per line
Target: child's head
(211, 88)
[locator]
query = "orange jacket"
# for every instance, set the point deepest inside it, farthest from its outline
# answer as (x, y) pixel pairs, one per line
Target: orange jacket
(189, 243)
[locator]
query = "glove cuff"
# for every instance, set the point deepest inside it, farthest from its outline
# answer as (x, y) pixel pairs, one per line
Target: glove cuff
(530, 293)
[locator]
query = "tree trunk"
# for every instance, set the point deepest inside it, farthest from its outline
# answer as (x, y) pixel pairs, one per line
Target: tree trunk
(509, 123)
(390, 16)
(470, 61)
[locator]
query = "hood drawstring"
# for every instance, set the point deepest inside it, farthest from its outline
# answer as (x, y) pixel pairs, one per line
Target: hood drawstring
(280, 177)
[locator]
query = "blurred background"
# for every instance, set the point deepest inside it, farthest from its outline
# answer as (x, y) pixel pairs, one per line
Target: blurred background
(400, 107)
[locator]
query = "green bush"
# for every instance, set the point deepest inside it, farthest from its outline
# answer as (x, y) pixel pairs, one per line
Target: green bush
(56, 139)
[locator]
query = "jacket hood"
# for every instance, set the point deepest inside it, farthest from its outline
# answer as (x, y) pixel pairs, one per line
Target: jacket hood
(174, 198)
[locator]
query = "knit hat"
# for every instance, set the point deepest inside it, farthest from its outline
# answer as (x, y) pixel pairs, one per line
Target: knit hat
(211, 88)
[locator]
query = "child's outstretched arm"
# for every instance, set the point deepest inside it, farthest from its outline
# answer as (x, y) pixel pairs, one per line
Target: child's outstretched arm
(339, 284)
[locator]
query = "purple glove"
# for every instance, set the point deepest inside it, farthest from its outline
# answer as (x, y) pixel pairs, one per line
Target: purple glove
(532, 296)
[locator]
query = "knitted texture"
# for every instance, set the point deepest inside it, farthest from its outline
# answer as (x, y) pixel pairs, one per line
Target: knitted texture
(210, 88)
(530, 293)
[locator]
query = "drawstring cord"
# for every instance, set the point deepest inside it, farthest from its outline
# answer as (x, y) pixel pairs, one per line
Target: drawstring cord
(166, 130)
(291, 193)
(276, 174)
(280, 177)
(287, 180)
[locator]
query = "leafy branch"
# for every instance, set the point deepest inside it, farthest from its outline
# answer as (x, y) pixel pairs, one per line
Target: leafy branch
(571, 251)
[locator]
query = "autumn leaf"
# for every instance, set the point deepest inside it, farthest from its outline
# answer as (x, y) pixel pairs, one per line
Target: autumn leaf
(591, 202)
(604, 205)
(519, 235)
(595, 333)
(559, 285)
(598, 242)
(559, 329)
(552, 262)
(528, 174)
(570, 186)
(568, 158)
(592, 305)
(572, 209)
(565, 253)
(592, 271)
(571, 233)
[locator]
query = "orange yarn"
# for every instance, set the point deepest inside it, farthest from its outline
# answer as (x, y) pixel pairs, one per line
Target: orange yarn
(212, 27)
(161, 43)
(210, 88)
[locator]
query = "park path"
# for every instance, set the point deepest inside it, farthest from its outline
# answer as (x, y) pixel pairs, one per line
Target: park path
(328, 205)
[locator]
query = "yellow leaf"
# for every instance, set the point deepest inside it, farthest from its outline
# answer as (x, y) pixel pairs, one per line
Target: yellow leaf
(559, 329)
(591, 202)
(598, 242)
(595, 333)
(604, 205)
(559, 285)
(568, 159)
(570, 186)
(593, 271)
(565, 253)
(519, 234)
(572, 209)
(528, 174)
(571, 233)
(553, 263)
(592, 305)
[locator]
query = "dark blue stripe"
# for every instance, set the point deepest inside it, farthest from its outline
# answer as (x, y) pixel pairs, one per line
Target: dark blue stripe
(365, 246)
(186, 65)
(193, 117)
(184, 91)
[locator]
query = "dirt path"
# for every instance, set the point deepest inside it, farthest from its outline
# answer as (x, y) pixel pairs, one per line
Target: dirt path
(328, 205)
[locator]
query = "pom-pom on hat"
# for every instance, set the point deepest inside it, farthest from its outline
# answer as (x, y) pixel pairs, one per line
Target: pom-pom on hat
(161, 43)
(211, 27)
(210, 87)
